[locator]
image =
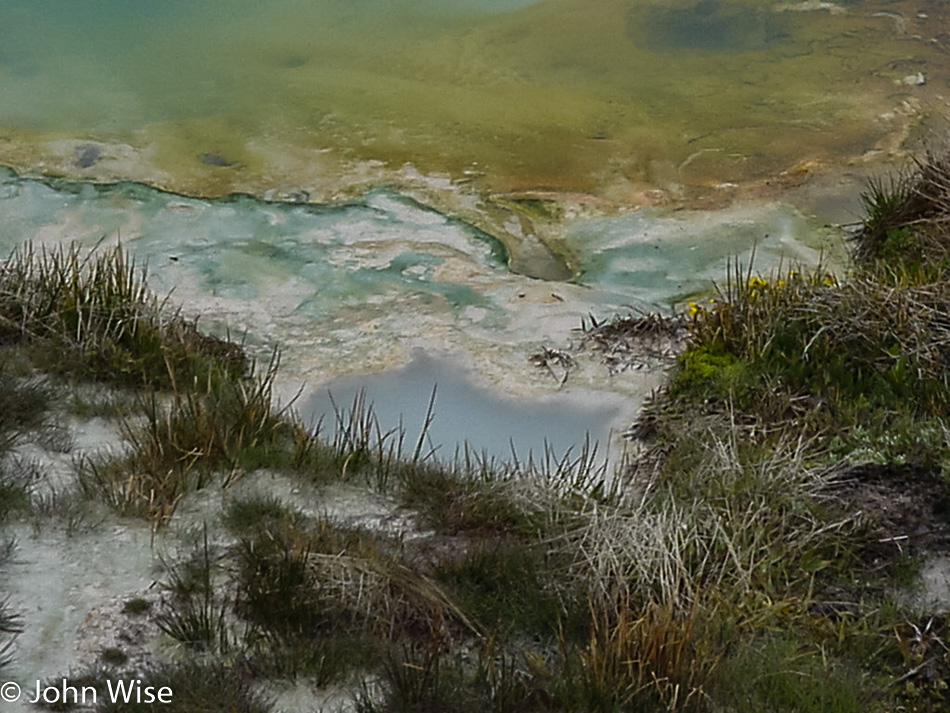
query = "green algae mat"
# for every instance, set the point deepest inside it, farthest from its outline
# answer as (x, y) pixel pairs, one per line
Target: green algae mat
(633, 101)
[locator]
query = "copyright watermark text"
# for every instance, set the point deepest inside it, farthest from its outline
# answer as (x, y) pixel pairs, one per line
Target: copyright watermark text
(130, 691)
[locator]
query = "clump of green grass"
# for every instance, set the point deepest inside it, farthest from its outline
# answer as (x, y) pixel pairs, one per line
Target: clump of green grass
(501, 585)
(826, 359)
(197, 687)
(280, 594)
(453, 503)
(725, 526)
(358, 450)
(422, 678)
(784, 674)
(11, 626)
(260, 513)
(216, 423)
(25, 412)
(90, 313)
(629, 663)
(203, 428)
(24, 408)
(65, 507)
(469, 493)
(137, 606)
(301, 597)
(15, 490)
(306, 611)
(480, 497)
(11, 622)
(114, 657)
(303, 582)
(647, 660)
(906, 221)
(194, 612)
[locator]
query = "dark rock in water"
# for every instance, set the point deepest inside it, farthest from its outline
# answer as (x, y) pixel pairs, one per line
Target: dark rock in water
(87, 156)
(293, 62)
(213, 159)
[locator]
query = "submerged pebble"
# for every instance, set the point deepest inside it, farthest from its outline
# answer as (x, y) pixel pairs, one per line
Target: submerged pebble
(87, 156)
(213, 159)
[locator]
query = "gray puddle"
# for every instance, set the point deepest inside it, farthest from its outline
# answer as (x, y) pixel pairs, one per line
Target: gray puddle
(491, 424)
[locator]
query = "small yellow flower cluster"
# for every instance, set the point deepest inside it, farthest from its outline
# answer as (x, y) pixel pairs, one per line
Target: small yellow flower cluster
(694, 308)
(757, 284)
(760, 283)
(792, 274)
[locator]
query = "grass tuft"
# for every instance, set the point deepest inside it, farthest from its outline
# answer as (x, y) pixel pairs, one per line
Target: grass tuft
(11, 626)
(906, 218)
(197, 687)
(218, 425)
(89, 313)
(501, 585)
(193, 612)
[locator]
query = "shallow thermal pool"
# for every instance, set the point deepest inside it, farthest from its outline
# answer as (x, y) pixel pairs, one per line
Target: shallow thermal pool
(356, 288)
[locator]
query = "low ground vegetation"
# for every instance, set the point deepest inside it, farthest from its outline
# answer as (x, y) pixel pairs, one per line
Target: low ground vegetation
(744, 561)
